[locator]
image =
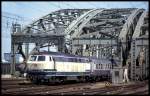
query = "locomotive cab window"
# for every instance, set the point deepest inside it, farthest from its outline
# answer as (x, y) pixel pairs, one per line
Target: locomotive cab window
(41, 58)
(33, 58)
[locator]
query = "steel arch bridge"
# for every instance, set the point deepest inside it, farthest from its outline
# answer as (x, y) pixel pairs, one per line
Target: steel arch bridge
(84, 23)
(103, 33)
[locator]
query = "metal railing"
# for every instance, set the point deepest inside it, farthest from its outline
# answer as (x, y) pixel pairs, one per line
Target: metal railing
(6, 68)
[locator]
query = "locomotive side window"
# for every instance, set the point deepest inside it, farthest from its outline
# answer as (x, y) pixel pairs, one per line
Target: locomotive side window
(58, 58)
(65, 59)
(41, 58)
(75, 60)
(82, 60)
(79, 60)
(70, 59)
(33, 58)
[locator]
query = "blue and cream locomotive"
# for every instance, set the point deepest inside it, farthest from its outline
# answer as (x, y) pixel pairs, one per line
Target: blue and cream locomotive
(54, 66)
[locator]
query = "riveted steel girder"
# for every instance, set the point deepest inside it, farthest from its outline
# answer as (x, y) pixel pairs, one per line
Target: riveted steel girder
(36, 38)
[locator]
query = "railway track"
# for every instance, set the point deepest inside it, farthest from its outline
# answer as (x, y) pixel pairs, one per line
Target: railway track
(98, 88)
(14, 87)
(12, 81)
(38, 89)
(85, 91)
(108, 90)
(23, 89)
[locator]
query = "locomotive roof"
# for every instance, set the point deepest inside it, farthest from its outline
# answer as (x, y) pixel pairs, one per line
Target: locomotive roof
(94, 59)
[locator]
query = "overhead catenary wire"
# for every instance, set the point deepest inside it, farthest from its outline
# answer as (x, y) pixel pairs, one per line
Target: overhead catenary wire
(8, 14)
(7, 20)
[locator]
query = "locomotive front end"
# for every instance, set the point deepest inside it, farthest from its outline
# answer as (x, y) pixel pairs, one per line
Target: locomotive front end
(38, 66)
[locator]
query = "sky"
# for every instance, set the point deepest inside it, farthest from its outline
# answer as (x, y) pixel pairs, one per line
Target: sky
(27, 12)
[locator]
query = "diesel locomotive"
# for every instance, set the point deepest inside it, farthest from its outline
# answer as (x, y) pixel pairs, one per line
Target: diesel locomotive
(59, 67)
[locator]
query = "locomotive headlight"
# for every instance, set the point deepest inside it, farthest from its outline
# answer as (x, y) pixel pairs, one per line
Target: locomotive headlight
(41, 66)
(38, 66)
(35, 65)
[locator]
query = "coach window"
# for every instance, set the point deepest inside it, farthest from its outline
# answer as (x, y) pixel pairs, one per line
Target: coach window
(97, 66)
(41, 58)
(110, 66)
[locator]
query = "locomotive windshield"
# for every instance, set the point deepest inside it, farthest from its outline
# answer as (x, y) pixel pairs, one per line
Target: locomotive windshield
(37, 58)
(33, 58)
(41, 58)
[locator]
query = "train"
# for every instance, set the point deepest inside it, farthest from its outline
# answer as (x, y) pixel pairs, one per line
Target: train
(59, 67)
